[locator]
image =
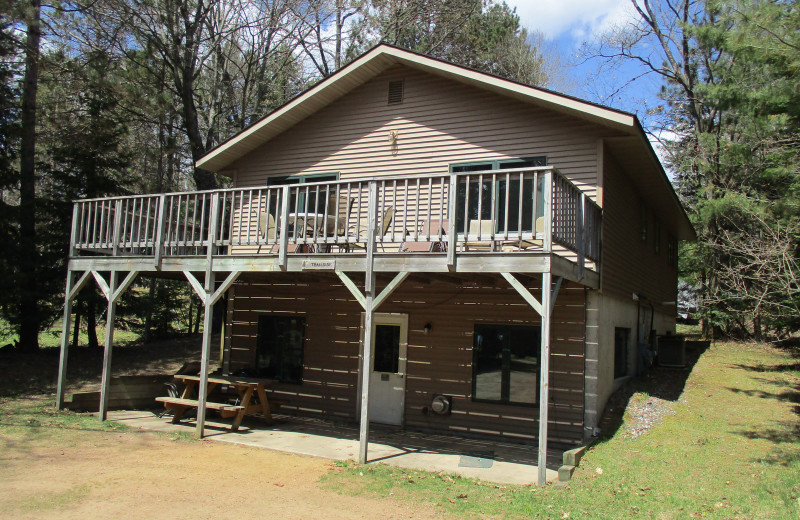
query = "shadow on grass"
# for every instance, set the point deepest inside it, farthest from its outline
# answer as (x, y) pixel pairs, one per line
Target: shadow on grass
(36, 373)
(786, 432)
(665, 383)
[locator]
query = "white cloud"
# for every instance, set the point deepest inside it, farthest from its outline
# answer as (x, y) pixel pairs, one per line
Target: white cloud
(580, 19)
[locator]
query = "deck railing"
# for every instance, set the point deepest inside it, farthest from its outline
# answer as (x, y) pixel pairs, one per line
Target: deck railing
(523, 209)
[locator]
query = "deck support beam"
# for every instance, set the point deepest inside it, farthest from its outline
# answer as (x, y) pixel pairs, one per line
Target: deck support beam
(545, 310)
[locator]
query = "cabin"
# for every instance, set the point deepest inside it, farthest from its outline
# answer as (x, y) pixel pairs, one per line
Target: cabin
(417, 244)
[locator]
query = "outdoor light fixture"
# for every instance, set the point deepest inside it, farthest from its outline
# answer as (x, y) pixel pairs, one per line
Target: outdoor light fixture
(427, 328)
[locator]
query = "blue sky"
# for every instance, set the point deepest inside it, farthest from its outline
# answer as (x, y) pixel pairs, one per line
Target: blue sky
(567, 25)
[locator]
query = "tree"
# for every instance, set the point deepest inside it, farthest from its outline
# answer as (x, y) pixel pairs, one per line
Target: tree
(486, 36)
(729, 69)
(28, 261)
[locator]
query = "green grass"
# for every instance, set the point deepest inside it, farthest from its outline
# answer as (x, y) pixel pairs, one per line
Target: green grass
(51, 337)
(730, 451)
(36, 418)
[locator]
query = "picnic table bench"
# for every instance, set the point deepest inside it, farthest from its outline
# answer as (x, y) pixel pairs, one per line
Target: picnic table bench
(245, 388)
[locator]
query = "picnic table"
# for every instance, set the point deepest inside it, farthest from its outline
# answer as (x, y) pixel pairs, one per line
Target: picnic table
(245, 387)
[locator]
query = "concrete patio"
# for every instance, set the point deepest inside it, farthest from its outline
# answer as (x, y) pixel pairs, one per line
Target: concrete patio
(502, 463)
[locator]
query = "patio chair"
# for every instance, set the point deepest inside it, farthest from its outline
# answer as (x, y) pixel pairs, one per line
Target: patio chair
(362, 226)
(433, 229)
(483, 229)
(268, 230)
(519, 245)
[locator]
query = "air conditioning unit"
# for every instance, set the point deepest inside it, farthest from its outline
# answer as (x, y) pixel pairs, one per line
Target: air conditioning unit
(672, 351)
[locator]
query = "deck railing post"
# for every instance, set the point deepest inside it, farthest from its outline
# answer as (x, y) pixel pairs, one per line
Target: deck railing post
(73, 235)
(547, 242)
(212, 232)
(158, 246)
(117, 225)
(452, 233)
(284, 227)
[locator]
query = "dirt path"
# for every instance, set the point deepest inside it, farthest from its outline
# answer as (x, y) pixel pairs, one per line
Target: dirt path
(133, 475)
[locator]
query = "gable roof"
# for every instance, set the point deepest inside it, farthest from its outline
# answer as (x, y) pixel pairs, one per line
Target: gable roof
(384, 56)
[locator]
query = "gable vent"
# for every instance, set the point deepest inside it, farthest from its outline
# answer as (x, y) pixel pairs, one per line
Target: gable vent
(395, 92)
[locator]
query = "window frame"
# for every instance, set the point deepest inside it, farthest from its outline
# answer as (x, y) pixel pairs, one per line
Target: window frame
(506, 369)
(656, 235)
(306, 178)
(260, 342)
(627, 355)
(494, 165)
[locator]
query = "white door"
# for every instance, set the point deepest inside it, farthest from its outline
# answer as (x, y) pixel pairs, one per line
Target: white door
(387, 389)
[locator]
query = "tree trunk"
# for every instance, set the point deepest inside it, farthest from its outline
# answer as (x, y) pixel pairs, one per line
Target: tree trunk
(29, 319)
(148, 317)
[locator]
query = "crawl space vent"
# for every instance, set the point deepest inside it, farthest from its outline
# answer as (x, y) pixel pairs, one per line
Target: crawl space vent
(395, 92)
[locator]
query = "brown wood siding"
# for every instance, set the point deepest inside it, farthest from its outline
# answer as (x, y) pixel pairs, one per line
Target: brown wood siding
(629, 264)
(438, 363)
(440, 122)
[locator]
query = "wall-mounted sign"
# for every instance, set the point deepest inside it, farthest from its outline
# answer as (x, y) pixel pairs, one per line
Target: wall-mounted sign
(325, 264)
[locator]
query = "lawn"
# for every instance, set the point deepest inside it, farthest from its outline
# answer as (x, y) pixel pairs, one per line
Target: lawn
(730, 450)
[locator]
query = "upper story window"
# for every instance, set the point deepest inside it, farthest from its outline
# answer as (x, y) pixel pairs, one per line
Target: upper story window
(656, 235)
(643, 220)
(485, 198)
(316, 201)
(672, 251)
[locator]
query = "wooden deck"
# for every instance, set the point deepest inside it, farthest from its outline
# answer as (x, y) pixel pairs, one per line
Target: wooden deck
(530, 220)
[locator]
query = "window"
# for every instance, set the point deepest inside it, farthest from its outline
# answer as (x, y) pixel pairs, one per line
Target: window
(656, 235)
(279, 349)
(387, 349)
(505, 364)
(643, 220)
(478, 194)
(621, 351)
(315, 204)
(672, 251)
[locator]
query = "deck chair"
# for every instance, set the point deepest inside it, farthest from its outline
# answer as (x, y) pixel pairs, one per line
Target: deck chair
(519, 245)
(433, 229)
(343, 204)
(484, 229)
(268, 230)
(361, 228)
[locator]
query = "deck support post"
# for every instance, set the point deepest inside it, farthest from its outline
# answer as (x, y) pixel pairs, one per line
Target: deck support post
(202, 390)
(112, 291)
(65, 327)
(544, 379)
(545, 310)
(209, 297)
(369, 315)
(110, 315)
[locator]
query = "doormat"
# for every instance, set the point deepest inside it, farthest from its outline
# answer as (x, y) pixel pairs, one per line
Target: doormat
(478, 459)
